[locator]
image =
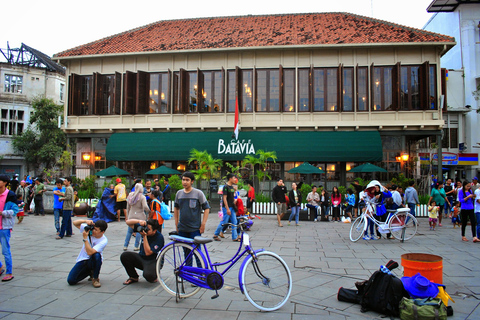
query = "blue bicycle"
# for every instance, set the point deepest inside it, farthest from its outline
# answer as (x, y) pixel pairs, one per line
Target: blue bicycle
(183, 268)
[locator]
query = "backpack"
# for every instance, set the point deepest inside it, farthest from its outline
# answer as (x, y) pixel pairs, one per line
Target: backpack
(382, 293)
(165, 212)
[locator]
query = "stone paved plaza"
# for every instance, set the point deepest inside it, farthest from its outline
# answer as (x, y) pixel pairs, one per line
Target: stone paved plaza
(320, 256)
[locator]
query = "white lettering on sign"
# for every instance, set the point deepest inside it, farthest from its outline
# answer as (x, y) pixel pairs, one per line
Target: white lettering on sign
(236, 147)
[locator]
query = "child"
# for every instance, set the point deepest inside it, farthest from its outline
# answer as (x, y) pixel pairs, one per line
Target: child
(433, 215)
(456, 214)
(21, 206)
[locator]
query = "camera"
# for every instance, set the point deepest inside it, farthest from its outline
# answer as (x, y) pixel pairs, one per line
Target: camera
(140, 228)
(89, 228)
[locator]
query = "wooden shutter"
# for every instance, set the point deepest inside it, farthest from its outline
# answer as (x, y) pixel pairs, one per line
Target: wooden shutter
(182, 92)
(130, 92)
(372, 86)
(169, 93)
(74, 94)
(200, 91)
(443, 82)
(238, 88)
(117, 92)
(281, 83)
(396, 74)
(143, 85)
(340, 88)
(98, 80)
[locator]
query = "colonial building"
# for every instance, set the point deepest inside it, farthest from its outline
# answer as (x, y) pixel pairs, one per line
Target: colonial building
(334, 89)
(25, 74)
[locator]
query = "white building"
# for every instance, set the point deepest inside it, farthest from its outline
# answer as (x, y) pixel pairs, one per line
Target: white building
(461, 134)
(25, 74)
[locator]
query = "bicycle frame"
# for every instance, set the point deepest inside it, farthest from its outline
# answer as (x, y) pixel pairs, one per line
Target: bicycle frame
(198, 276)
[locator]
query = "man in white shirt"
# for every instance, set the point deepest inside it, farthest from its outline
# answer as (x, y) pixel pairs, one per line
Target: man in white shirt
(89, 260)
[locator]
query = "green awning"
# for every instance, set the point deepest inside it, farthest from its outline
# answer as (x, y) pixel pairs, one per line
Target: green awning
(313, 146)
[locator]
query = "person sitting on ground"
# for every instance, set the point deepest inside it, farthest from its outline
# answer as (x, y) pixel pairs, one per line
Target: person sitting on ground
(90, 258)
(152, 243)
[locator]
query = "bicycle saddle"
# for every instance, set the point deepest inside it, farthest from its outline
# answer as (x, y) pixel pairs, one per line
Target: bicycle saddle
(202, 240)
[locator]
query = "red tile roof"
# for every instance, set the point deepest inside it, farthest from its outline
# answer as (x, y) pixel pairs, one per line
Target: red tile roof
(256, 31)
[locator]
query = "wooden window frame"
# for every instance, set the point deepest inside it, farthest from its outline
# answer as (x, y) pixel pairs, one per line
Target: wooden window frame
(357, 92)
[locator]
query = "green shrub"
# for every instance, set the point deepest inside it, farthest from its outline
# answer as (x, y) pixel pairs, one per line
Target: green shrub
(262, 198)
(305, 189)
(423, 199)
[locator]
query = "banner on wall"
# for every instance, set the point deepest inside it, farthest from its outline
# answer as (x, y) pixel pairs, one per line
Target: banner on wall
(450, 159)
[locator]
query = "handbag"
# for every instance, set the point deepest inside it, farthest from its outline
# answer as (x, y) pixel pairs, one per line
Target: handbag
(422, 309)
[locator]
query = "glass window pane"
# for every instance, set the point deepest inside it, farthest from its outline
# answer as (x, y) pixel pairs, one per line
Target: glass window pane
(404, 89)
(332, 89)
(192, 92)
(303, 86)
(414, 87)
(247, 94)
(289, 90)
(377, 89)
(347, 89)
(318, 90)
(231, 91)
(362, 89)
(207, 92)
(388, 89)
(432, 91)
(274, 90)
(154, 105)
(217, 98)
(261, 90)
(164, 94)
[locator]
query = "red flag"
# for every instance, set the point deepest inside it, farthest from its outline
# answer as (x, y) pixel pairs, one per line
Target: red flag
(235, 128)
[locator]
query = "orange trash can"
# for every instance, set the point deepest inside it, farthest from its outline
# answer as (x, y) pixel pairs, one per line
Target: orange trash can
(429, 265)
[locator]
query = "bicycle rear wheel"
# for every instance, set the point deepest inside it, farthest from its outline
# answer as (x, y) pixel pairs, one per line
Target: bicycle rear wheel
(168, 261)
(403, 226)
(357, 229)
(266, 282)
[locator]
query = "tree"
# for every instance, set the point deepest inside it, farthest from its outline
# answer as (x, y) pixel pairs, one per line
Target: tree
(42, 142)
(207, 166)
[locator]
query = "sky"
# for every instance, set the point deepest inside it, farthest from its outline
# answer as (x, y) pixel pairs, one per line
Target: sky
(52, 26)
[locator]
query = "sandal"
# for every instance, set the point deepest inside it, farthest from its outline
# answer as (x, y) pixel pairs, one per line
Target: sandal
(236, 240)
(464, 239)
(7, 278)
(221, 235)
(476, 239)
(216, 238)
(130, 281)
(2, 271)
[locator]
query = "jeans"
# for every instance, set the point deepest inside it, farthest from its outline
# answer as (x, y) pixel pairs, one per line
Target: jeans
(477, 214)
(313, 210)
(56, 214)
(131, 260)
(138, 238)
(66, 228)
(5, 241)
(83, 269)
(295, 213)
(412, 207)
(232, 218)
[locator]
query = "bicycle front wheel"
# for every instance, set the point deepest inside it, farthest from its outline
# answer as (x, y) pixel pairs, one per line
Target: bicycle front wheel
(357, 229)
(266, 282)
(403, 226)
(168, 262)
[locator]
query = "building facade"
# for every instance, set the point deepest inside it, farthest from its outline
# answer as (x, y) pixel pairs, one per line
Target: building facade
(334, 89)
(25, 75)
(461, 138)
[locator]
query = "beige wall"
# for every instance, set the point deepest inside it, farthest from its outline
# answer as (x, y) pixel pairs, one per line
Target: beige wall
(260, 58)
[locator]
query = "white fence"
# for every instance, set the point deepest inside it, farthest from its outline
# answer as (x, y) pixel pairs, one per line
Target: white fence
(269, 208)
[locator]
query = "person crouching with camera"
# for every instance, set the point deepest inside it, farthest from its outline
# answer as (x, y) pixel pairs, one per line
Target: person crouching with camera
(152, 243)
(89, 260)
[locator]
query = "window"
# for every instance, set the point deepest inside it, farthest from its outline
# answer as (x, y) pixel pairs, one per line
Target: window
(382, 88)
(62, 91)
(86, 95)
(288, 88)
(246, 81)
(159, 93)
(362, 89)
(453, 137)
(325, 89)
(191, 90)
(12, 122)
(13, 83)
(212, 91)
(304, 90)
(348, 89)
(231, 89)
(410, 88)
(432, 90)
(268, 90)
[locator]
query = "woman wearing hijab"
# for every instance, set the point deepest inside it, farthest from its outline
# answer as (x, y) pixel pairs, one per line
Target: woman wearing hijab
(136, 208)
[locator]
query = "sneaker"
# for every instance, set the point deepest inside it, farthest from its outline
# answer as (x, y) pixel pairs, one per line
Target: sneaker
(366, 237)
(315, 220)
(440, 225)
(125, 248)
(96, 283)
(374, 238)
(136, 249)
(430, 228)
(297, 225)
